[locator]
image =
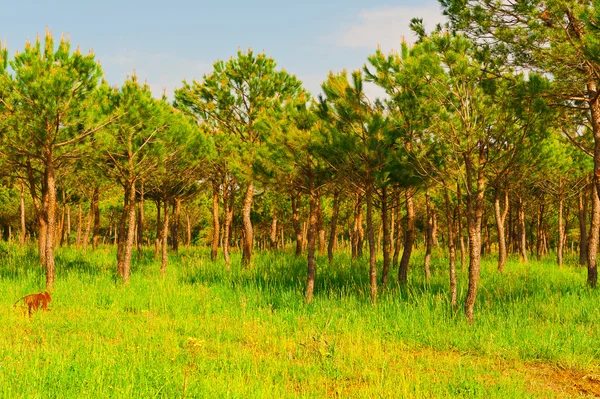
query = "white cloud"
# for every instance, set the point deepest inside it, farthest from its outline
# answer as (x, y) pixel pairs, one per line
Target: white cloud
(162, 72)
(386, 26)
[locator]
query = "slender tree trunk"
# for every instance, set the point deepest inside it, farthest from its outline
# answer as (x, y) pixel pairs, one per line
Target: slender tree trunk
(165, 237)
(130, 234)
(409, 237)
(79, 225)
(320, 226)
(68, 234)
(39, 211)
(398, 228)
(296, 223)
(593, 239)
(158, 240)
(463, 251)
(311, 241)
(355, 227)
(561, 231)
(247, 224)
(140, 223)
(428, 235)
(175, 224)
(273, 233)
(50, 213)
(475, 202)
(228, 203)
(583, 242)
(540, 231)
(522, 231)
(500, 215)
(188, 243)
(385, 224)
(88, 226)
(334, 222)
(96, 214)
(371, 238)
(23, 236)
(215, 222)
(451, 249)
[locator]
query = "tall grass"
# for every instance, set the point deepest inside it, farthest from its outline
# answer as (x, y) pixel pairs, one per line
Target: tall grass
(203, 331)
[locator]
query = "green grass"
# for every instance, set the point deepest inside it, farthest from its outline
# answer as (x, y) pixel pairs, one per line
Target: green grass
(203, 332)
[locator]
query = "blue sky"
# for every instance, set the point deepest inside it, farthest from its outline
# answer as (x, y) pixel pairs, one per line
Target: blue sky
(168, 41)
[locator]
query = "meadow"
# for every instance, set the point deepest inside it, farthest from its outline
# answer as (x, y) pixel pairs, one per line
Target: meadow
(204, 332)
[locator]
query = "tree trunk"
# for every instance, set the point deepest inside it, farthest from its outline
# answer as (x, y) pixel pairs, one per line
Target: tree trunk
(158, 239)
(273, 233)
(175, 224)
(50, 213)
(311, 241)
(247, 224)
(385, 224)
(128, 250)
(188, 243)
(334, 222)
(522, 231)
(561, 230)
(296, 223)
(540, 231)
(409, 237)
(475, 202)
(371, 238)
(165, 237)
(463, 251)
(583, 242)
(593, 239)
(451, 249)
(68, 233)
(39, 212)
(398, 228)
(500, 215)
(320, 226)
(428, 235)
(79, 225)
(228, 203)
(214, 249)
(23, 236)
(96, 215)
(140, 223)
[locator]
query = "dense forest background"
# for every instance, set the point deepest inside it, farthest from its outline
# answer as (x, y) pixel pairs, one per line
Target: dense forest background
(486, 142)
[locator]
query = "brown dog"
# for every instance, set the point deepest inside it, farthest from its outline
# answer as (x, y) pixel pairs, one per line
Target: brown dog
(35, 301)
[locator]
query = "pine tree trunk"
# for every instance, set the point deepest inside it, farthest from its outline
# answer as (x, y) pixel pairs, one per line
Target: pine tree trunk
(540, 231)
(140, 223)
(273, 232)
(96, 215)
(39, 212)
(583, 242)
(175, 224)
(311, 241)
(334, 222)
(428, 235)
(50, 213)
(500, 215)
(409, 237)
(387, 236)
(247, 225)
(398, 228)
(128, 250)
(68, 235)
(522, 231)
(165, 238)
(355, 227)
(561, 231)
(593, 239)
(475, 204)
(461, 240)
(189, 231)
(296, 223)
(158, 240)
(451, 249)
(79, 225)
(228, 203)
(215, 222)
(23, 236)
(371, 238)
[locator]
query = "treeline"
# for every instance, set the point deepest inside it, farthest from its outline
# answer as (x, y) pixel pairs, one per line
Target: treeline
(486, 141)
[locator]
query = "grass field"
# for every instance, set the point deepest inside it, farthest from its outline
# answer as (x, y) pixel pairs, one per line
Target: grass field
(203, 332)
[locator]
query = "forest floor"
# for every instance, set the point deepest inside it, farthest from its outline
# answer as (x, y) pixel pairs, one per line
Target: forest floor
(204, 332)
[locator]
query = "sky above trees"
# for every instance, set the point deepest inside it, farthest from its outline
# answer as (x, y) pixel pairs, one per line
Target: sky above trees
(166, 42)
